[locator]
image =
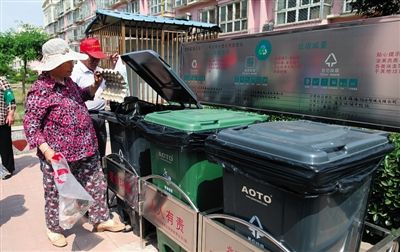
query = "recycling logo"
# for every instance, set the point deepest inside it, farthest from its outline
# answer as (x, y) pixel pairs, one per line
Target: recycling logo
(263, 50)
(331, 60)
(256, 222)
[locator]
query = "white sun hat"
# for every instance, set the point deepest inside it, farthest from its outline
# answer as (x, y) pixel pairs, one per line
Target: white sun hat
(55, 52)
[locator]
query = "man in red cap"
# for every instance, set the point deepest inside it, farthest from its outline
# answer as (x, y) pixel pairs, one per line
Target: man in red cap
(83, 75)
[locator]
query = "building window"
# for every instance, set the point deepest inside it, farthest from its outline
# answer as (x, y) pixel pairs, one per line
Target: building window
(233, 17)
(179, 3)
(160, 6)
(293, 11)
(347, 6)
(100, 4)
(133, 7)
(208, 16)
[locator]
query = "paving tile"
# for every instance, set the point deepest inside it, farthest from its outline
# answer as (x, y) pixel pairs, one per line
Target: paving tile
(22, 224)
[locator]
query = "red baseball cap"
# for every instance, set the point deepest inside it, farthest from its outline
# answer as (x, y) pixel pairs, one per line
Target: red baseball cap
(91, 46)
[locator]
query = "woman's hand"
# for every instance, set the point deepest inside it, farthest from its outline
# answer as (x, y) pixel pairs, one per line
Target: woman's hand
(48, 155)
(47, 152)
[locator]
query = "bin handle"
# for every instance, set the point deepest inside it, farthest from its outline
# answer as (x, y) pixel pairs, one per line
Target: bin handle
(210, 122)
(170, 183)
(245, 223)
(125, 161)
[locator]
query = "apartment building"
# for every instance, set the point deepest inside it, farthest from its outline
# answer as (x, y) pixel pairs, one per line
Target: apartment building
(68, 19)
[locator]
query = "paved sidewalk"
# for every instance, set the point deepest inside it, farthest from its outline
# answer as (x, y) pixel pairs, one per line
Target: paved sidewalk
(22, 224)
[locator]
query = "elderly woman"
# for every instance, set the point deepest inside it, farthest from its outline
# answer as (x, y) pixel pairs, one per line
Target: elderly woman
(57, 121)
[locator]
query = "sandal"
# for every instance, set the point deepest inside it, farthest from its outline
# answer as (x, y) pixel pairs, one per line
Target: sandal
(109, 225)
(56, 239)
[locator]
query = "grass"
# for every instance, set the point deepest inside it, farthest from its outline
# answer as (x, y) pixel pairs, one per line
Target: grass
(19, 99)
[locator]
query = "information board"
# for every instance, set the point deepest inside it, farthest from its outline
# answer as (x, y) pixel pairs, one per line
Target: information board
(348, 72)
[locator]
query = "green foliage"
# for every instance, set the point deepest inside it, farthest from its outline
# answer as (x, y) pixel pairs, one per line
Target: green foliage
(6, 52)
(28, 42)
(17, 76)
(376, 8)
(384, 203)
(25, 44)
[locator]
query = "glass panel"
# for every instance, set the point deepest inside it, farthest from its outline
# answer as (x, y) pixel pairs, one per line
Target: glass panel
(281, 18)
(237, 26)
(326, 11)
(223, 14)
(229, 27)
(291, 16)
(348, 7)
(244, 24)
(244, 9)
(316, 1)
(204, 16)
(303, 14)
(305, 2)
(237, 10)
(292, 3)
(281, 4)
(230, 16)
(223, 27)
(314, 12)
(211, 16)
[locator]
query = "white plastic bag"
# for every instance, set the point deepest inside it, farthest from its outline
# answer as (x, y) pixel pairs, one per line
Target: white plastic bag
(74, 200)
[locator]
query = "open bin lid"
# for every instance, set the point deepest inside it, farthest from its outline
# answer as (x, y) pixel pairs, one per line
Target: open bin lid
(160, 76)
(303, 156)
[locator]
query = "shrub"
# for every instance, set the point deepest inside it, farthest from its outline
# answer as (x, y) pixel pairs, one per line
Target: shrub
(384, 202)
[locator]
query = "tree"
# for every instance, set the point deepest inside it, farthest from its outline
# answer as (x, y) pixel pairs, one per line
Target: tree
(376, 8)
(6, 52)
(28, 43)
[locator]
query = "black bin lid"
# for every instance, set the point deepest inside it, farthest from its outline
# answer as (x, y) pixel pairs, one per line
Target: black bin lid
(159, 75)
(304, 142)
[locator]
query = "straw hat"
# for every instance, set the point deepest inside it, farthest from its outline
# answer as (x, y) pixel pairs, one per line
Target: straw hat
(55, 52)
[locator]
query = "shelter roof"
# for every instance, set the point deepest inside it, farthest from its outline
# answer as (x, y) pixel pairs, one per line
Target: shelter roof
(109, 17)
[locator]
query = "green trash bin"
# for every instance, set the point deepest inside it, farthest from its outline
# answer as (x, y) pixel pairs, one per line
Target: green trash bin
(177, 153)
(125, 140)
(177, 150)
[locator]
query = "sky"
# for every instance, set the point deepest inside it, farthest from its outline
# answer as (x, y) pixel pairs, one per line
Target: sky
(13, 12)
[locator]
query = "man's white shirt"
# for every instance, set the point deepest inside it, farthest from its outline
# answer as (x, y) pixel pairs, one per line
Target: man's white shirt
(84, 77)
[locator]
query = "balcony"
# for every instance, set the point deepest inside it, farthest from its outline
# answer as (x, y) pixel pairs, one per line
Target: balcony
(80, 19)
(118, 4)
(182, 4)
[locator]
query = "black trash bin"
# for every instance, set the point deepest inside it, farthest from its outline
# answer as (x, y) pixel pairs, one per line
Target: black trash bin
(126, 141)
(305, 183)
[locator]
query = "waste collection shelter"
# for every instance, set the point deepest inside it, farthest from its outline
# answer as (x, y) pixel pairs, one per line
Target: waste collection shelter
(126, 32)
